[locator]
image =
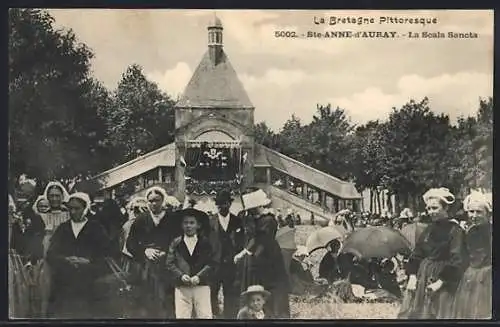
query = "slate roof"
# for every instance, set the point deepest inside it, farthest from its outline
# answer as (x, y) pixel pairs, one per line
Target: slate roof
(305, 173)
(215, 86)
(264, 157)
(161, 157)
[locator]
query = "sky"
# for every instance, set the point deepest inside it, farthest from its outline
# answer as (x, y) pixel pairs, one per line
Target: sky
(285, 76)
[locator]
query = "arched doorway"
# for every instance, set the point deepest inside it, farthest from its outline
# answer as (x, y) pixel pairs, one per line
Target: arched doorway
(213, 162)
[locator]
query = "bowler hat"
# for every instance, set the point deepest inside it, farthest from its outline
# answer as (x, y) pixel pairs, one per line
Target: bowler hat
(223, 196)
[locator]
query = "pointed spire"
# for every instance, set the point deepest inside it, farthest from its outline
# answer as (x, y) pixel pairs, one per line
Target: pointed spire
(215, 40)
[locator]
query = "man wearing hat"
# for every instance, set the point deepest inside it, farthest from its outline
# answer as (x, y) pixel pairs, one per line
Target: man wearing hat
(227, 235)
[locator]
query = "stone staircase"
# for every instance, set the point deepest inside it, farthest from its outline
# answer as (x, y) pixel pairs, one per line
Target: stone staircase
(284, 200)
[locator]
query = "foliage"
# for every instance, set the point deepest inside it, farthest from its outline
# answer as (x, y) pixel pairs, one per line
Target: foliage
(265, 136)
(320, 142)
(413, 150)
(53, 119)
(141, 117)
(65, 125)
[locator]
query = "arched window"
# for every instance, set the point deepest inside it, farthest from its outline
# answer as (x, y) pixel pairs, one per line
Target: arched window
(214, 136)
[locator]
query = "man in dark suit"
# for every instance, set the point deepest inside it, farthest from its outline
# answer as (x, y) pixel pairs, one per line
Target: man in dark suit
(227, 235)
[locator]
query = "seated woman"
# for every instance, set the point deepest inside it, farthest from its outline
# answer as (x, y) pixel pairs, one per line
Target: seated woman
(329, 267)
(385, 276)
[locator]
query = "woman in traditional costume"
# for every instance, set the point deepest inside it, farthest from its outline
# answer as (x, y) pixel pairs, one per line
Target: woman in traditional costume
(148, 242)
(437, 263)
(56, 195)
(473, 296)
(76, 255)
(265, 265)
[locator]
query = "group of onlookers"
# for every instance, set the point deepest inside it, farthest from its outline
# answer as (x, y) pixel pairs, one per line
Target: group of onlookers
(172, 261)
(168, 260)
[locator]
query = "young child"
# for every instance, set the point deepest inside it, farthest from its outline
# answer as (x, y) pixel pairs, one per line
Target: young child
(191, 261)
(255, 298)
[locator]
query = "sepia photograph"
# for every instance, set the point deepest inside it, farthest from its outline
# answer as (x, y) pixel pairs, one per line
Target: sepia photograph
(250, 164)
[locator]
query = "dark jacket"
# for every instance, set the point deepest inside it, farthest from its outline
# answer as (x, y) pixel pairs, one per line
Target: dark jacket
(202, 263)
(144, 234)
(441, 241)
(92, 243)
(227, 243)
(479, 245)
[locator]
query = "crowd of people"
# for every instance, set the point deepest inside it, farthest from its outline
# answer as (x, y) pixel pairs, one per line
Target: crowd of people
(448, 273)
(162, 259)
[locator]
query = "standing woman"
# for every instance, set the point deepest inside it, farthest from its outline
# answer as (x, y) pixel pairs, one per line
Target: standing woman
(76, 255)
(148, 242)
(266, 266)
(473, 297)
(437, 262)
(57, 214)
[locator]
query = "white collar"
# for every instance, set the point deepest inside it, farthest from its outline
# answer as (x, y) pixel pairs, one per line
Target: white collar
(158, 217)
(224, 217)
(191, 238)
(78, 226)
(79, 223)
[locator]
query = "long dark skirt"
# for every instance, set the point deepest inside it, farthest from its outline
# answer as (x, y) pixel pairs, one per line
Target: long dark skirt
(73, 303)
(423, 305)
(278, 304)
(157, 293)
(276, 282)
(473, 296)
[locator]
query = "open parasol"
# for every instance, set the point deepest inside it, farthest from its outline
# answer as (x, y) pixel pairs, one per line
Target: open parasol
(375, 242)
(412, 232)
(321, 237)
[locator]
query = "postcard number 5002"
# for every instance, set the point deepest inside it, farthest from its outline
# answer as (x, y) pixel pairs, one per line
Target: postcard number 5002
(285, 34)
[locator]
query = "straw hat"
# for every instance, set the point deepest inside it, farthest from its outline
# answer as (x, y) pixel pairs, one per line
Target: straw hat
(256, 289)
(255, 199)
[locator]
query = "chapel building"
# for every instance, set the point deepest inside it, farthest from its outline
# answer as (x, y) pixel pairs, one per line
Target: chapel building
(215, 148)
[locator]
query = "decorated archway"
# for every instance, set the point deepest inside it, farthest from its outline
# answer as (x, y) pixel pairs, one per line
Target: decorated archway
(213, 161)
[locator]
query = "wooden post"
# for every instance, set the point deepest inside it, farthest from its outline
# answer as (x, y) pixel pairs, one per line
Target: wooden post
(160, 174)
(305, 190)
(268, 176)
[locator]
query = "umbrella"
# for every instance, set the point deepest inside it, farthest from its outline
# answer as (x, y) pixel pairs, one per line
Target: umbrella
(285, 236)
(376, 242)
(321, 237)
(412, 232)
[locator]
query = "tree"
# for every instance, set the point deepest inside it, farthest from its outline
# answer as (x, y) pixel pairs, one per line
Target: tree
(417, 145)
(473, 148)
(54, 127)
(367, 158)
(293, 140)
(265, 136)
(141, 118)
(330, 135)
